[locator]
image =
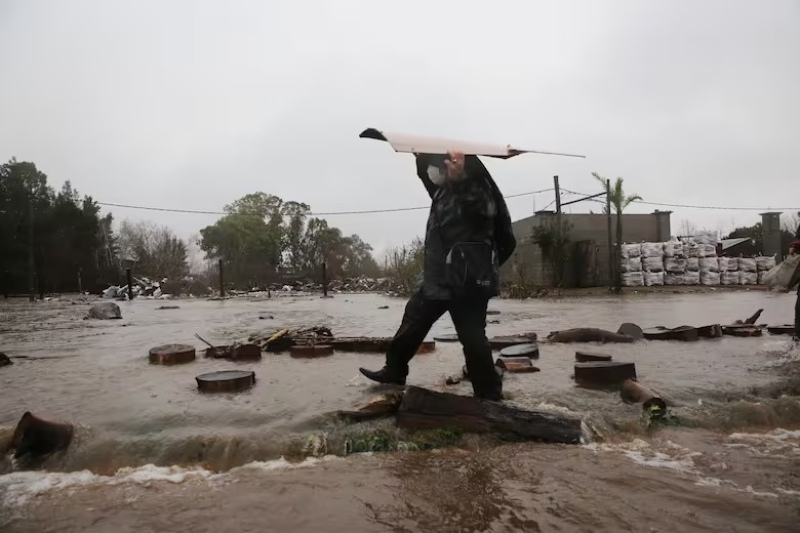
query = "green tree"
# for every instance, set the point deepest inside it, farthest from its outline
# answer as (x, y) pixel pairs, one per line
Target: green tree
(619, 202)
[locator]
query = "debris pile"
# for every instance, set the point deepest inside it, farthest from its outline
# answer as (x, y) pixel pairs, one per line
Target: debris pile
(146, 288)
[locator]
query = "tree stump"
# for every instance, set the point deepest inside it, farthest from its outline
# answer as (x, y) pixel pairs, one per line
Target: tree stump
(35, 438)
(634, 392)
(525, 351)
(245, 352)
(516, 365)
(226, 381)
(446, 338)
(311, 351)
(588, 335)
(710, 332)
(426, 409)
(603, 373)
(172, 354)
(587, 357)
(773, 330)
(631, 330)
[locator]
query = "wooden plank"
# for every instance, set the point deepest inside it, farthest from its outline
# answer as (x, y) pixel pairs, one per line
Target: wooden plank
(426, 409)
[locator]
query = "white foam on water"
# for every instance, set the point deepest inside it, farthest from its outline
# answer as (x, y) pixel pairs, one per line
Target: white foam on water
(778, 434)
(17, 488)
(641, 452)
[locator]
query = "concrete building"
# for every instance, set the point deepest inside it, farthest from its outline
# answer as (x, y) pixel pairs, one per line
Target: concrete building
(588, 264)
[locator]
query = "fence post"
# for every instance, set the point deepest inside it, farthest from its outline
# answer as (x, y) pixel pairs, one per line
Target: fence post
(221, 280)
(130, 283)
(324, 279)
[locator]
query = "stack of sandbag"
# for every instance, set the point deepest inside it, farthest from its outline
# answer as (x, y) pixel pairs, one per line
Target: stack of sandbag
(674, 263)
(785, 276)
(631, 265)
(709, 265)
(691, 252)
(653, 263)
(748, 271)
(729, 270)
(764, 264)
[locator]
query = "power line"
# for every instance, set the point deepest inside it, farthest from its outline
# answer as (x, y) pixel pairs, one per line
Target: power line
(330, 213)
(690, 206)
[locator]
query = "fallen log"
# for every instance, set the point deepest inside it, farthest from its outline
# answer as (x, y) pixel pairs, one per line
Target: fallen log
(588, 357)
(742, 330)
(311, 351)
(226, 381)
(378, 407)
(426, 409)
(631, 330)
(36, 438)
(525, 351)
(500, 342)
(172, 354)
(713, 331)
(787, 329)
(588, 335)
(516, 365)
(601, 374)
(446, 338)
(752, 319)
(634, 392)
(682, 333)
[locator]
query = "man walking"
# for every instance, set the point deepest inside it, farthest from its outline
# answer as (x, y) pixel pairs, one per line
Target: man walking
(468, 238)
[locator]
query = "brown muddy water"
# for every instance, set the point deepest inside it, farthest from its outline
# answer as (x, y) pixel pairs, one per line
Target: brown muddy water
(152, 454)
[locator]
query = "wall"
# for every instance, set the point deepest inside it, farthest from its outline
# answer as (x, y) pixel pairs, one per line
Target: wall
(654, 227)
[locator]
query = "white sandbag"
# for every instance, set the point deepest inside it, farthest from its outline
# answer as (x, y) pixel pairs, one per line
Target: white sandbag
(633, 264)
(690, 249)
(748, 278)
(707, 250)
(709, 264)
(673, 249)
(691, 277)
(733, 264)
(709, 278)
(633, 279)
(675, 265)
(631, 251)
(671, 278)
(765, 263)
(784, 276)
(653, 278)
(692, 264)
(653, 264)
(730, 278)
(653, 249)
(748, 264)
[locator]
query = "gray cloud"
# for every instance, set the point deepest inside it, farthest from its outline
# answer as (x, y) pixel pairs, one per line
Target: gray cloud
(192, 104)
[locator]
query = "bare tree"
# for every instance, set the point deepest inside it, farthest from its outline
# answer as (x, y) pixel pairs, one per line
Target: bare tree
(158, 253)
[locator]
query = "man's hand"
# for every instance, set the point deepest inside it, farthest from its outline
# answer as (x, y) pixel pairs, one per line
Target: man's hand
(455, 165)
(792, 250)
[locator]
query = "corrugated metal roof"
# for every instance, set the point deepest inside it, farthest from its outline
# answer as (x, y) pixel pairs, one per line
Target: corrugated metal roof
(432, 145)
(728, 243)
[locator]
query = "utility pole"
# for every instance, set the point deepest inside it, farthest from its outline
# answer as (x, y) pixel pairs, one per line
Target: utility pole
(611, 276)
(558, 249)
(31, 258)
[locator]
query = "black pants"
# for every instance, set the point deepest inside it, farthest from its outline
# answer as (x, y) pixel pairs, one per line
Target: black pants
(469, 318)
(797, 315)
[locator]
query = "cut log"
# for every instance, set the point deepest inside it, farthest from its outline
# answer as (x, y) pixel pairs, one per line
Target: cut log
(167, 307)
(710, 332)
(658, 333)
(773, 330)
(378, 407)
(588, 357)
(603, 373)
(742, 330)
(498, 343)
(226, 381)
(446, 338)
(500, 371)
(631, 330)
(525, 351)
(36, 438)
(634, 392)
(311, 351)
(516, 365)
(246, 352)
(588, 335)
(426, 409)
(172, 354)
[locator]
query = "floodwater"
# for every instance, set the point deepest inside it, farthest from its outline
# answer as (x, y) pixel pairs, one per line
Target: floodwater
(151, 453)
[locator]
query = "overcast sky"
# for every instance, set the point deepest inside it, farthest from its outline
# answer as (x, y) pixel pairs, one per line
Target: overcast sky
(192, 104)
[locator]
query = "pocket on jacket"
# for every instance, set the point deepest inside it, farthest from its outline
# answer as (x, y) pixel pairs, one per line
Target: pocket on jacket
(471, 269)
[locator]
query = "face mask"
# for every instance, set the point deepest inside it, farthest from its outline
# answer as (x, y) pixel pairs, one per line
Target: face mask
(436, 175)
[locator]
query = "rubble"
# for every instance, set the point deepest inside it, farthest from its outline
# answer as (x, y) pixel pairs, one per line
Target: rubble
(105, 311)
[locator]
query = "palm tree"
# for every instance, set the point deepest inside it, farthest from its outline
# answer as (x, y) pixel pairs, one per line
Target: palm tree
(619, 202)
